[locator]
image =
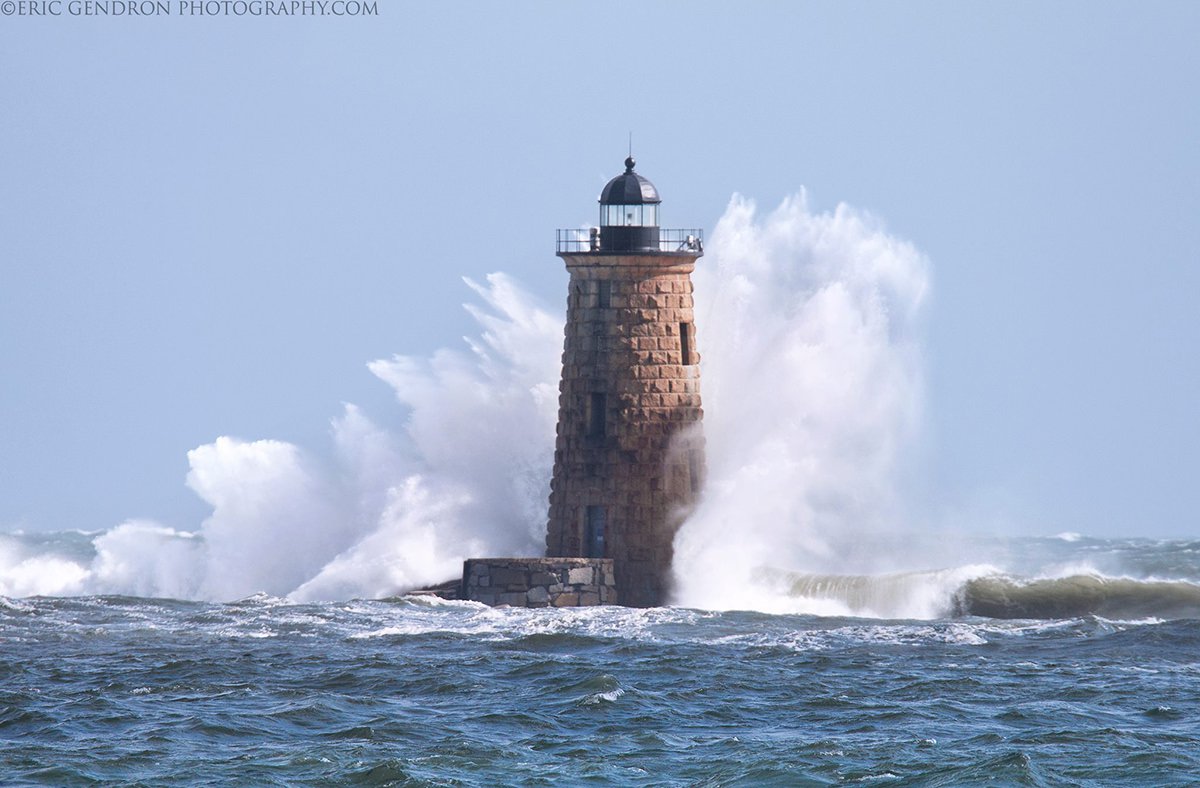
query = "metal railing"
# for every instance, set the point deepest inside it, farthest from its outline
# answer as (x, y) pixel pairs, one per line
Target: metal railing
(583, 240)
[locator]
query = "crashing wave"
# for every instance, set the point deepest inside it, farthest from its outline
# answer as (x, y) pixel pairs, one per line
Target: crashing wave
(983, 591)
(1000, 596)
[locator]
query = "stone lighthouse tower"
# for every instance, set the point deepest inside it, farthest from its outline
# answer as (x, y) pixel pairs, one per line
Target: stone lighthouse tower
(628, 461)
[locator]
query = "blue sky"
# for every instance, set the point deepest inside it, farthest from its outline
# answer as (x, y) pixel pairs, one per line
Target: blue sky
(208, 226)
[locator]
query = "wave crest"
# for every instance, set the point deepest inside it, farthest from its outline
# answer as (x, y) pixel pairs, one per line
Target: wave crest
(1001, 596)
(980, 590)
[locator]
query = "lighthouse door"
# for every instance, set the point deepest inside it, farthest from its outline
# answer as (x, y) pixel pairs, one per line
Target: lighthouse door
(596, 517)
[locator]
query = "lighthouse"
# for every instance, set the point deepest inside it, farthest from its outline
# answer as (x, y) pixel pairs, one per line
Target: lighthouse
(629, 451)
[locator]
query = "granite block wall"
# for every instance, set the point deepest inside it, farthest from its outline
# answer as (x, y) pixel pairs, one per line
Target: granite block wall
(540, 582)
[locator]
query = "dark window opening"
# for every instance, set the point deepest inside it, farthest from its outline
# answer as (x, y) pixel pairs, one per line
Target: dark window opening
(694, 469)
(685, 343)
(604, 295)
(597, 517)
(596, 416)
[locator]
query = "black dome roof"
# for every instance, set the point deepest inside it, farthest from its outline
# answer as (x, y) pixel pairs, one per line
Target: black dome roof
(629, 188)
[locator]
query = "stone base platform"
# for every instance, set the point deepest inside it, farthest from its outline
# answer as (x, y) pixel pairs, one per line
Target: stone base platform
(539, 582)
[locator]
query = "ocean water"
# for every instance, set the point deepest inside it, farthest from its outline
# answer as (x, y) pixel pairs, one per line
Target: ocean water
(1084, 678)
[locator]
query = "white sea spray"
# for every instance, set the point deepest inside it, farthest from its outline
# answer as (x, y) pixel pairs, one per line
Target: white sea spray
(809, 329)
(468, 474)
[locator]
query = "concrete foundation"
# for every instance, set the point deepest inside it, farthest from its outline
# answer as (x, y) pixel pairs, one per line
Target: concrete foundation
(540, 582)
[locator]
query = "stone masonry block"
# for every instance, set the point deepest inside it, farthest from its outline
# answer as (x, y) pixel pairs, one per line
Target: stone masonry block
(581, 575)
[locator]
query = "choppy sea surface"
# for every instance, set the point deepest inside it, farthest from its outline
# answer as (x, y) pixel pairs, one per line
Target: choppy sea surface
(1080, 678)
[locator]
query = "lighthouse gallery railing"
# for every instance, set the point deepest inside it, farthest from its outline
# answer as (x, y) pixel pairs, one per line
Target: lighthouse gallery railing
(582, 240)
